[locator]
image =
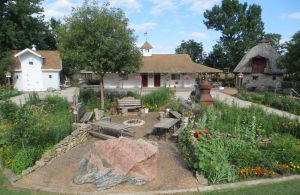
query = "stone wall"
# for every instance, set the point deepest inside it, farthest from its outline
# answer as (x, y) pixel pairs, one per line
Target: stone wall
(262, 81)
(76, 138)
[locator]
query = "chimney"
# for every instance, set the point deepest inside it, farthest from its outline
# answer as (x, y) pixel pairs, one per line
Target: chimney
(33, 47)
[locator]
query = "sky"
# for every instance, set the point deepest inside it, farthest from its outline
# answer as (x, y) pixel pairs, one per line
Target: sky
(168, 22)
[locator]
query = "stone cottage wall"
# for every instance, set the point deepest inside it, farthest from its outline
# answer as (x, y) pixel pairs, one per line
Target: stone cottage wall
(262, 81)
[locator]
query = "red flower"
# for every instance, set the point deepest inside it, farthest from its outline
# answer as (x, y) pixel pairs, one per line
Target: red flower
(206, 132)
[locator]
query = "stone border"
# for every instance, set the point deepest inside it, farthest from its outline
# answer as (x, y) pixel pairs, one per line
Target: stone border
(77, 137)
(198, 189)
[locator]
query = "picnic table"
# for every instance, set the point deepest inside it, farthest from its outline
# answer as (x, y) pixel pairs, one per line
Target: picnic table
(175, 114)
(166, 123)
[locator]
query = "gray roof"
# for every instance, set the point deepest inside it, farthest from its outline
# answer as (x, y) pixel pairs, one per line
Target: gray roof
(265, 50)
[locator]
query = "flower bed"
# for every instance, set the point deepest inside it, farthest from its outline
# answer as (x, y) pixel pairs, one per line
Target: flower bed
(285, 103)
(248, 148)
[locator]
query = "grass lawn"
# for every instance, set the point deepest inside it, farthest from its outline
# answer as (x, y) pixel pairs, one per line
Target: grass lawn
(287, 188)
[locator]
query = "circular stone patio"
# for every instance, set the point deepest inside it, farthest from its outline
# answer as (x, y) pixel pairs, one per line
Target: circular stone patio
(172, 171)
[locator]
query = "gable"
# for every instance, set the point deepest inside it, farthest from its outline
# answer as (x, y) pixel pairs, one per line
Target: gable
(51, 59)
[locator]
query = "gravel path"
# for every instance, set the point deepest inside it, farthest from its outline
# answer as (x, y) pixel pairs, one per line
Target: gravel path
(67, 93)
(228, 99)
(172, 171)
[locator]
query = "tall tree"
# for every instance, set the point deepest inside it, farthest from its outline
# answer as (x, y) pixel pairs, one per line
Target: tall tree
(217, 57)
(274, 40)
(241, 27)
(291, 59)
(194, 49)
(98, 39)
(21, 25)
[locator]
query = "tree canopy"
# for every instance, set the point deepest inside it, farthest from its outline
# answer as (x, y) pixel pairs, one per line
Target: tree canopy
(98, 39)
(291, 59)
(241, 27)
(21, 25)
(194, 49)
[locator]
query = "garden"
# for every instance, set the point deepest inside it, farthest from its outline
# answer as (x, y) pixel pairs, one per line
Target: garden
(228, 144)
(7, 92)
(285, 103)
(28, 131)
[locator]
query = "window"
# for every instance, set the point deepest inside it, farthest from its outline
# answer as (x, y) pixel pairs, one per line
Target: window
(30, 61)
(17, 77)
(50, 76)
(255, 78)
(175, 76)
(274, 78)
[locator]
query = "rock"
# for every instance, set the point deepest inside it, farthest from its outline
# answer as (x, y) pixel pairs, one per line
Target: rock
(98, 114)
(115, 161)
(40, 163)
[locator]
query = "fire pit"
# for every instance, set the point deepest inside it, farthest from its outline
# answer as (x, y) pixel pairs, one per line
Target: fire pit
(134, 122)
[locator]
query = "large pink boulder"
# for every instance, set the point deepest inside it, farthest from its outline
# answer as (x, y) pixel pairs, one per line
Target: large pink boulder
(114, 161)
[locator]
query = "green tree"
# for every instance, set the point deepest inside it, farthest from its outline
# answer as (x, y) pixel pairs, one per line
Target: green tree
(21, 25)
(291, 59)
(98, 39)
(194, 49)
(241, 27)
(274, 39)
(217, 57)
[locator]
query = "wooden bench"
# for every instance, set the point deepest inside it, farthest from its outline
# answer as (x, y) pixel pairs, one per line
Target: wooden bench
(129, 103)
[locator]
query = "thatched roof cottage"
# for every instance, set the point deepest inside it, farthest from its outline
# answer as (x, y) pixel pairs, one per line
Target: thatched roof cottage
(258, 69)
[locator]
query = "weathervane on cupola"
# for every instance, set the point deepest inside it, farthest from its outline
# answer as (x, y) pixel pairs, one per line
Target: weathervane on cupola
(146, 47)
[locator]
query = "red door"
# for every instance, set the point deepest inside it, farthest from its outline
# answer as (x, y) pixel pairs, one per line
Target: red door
(145, 80)
(156, 80)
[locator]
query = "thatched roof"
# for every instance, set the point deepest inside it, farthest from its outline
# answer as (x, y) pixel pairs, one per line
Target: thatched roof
(173, 63)
(51, 60)
(146, 45)
(263, 49)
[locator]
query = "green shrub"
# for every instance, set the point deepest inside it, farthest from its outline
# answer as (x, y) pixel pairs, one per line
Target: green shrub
(6, 92)
(174, 104)
(156, 99)
(8, 110)
(25, 158)
(54, 103)
(285, 103)
(285, 148)
(33, 98)
(59, 126)
(28, 127)
(7, 154)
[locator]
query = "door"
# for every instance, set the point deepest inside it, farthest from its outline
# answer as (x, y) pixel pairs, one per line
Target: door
(145, 80)
(157, 80)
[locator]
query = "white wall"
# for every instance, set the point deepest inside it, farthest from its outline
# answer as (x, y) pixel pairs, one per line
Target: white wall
(31, 74)
(18, 81)
(112, 81)
(31, 77)
(52, 82)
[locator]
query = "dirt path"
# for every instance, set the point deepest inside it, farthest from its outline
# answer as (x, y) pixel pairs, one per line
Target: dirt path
(172, 171)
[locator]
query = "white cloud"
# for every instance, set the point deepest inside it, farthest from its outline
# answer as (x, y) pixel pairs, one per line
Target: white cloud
(198, 36)
(128, 4)
(58, 8)
(143, 27)
(162, 5)
(200, 6)
(295, 15)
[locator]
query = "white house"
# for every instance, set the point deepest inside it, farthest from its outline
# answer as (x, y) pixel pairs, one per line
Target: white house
(158, 70)
(37, 70)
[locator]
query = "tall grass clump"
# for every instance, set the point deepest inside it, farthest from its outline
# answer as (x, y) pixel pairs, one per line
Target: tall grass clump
(156, 99)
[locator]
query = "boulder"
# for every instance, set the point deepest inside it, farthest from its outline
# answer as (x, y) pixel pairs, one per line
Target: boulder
(119, 160)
